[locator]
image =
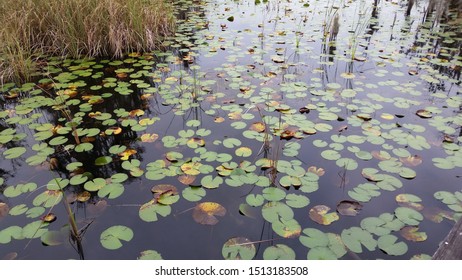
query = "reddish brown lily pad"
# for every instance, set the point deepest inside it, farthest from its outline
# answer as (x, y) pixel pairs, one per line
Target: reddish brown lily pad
(412, 233)
(205, 212)
(349, 207)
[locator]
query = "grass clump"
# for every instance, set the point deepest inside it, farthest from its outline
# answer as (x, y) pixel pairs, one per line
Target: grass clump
(34, 29)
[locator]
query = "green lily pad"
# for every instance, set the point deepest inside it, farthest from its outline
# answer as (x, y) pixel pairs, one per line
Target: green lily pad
(297, 200)
(111, 238)
(103, 160)
(273, 194)
(408, 216)
(150, 255)
(286, 228)
(210, 182)
(275, 211)
(354, 237)
(193, 194)
(48, 198)
(16, 152)
(388, 244)
(231, 142)
(279, 252)
(34, 230)
(238, 248)
(148, 212)
(112, 190)
(9, 233)
(243, 152)
(95, 184)
(17, 210)
(84, 147)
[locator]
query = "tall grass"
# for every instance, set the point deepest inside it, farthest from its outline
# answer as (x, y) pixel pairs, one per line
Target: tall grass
(32, 29)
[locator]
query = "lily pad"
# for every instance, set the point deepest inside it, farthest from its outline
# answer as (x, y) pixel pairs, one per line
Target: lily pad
(112, 237)
(48, 198)
(103, 160)
(287, 228)
(193, 194)
(13, 153)
(388, 244)
(320, 215)
(238, 248)
(354, 237)
(149, 211)
(204, 213)
(349, 207)
(279, 252)
(412, 233)
(408, 216)
(150, 255)
(4, 210)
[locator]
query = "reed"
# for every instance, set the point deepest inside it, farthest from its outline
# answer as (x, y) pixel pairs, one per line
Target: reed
(34, 29)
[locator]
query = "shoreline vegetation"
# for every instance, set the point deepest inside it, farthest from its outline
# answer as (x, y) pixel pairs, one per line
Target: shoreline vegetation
(33, 30)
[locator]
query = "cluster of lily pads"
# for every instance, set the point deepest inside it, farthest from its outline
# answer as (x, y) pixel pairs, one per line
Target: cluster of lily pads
(242, 99)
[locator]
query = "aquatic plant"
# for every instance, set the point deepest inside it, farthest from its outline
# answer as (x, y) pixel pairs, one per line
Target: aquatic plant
(33, 29)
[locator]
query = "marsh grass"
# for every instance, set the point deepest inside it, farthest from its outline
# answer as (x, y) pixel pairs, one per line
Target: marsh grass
(34, 29)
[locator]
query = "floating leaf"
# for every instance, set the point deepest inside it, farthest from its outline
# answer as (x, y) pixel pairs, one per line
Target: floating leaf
(273, 194)
(112, 190)
(238, 248)
(349, 207)
(412, 233)
(276, 211)
(210, 182)
(54, 238)
(243, 152)
(424, 114)
(286, 228)
(48, 198)
(95, 184)
(165, 194)
(354, 237)
(49, 218)
(16, 210)
(297, 200)
(4, 210)
(320, 215)
(411, 160)
(204, 213)
(191, 168)
(149, 138)
(408, 216)
(9, 233)
(150, 255)
(186, 179)
(148, 212)
(409, 200)
(258, 127)
(103, 160)
(193, 193)
(35, 212)
(279, 252)
(387, 243)
(12, 153)
(34, 229)
(231, 142)
(111, 238)
(83, 196)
